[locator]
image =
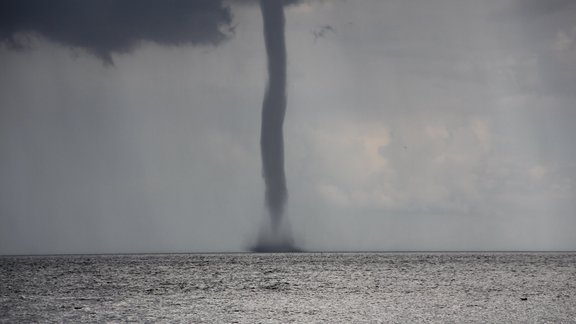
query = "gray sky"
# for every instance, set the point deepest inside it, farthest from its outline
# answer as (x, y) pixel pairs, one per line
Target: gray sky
(411, 125)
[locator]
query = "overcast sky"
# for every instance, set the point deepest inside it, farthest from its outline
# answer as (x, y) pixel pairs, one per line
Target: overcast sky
(411, 125)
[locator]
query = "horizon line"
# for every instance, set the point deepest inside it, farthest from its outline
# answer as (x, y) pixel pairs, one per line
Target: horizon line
(295, 252)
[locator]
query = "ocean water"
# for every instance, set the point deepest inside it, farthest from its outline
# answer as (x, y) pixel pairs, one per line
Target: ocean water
(296, 288)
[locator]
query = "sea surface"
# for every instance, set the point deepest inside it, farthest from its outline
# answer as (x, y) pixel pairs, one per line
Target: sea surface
(291, 287)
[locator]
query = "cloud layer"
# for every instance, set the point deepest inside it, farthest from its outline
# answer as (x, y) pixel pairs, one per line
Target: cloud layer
(108, 26)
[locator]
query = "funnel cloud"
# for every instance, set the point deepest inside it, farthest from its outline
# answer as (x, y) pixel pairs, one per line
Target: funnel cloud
(273, 111)
(271, 136)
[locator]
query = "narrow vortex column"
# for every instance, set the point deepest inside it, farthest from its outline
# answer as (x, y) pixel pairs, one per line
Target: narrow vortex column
(273, 111)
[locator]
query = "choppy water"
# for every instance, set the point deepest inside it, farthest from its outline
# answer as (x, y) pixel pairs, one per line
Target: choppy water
(307, 287)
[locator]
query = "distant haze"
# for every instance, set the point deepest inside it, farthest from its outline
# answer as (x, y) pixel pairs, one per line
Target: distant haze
(412, 125)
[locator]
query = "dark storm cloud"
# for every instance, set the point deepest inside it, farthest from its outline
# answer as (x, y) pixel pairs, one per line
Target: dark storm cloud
(547, 32)
(550, 31)
(539, 7)
(253, 2)
(104, 27)
(542, 20)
